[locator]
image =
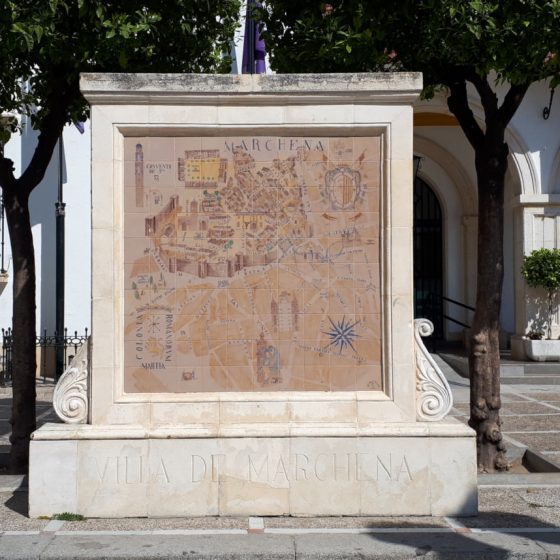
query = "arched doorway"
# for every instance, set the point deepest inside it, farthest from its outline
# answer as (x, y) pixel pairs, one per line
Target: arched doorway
(428, 256)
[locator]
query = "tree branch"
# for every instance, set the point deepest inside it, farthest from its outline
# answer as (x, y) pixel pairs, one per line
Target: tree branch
(7, 178)
(50, 132)
(512, 100)
(458, 104)
(487, 95)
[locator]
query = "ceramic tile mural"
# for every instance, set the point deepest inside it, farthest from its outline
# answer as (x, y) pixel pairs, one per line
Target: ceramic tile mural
(252, 264)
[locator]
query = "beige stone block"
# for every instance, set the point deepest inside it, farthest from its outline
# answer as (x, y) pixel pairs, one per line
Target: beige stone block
(101, 387)
(401, 193)
(329, 411)
(453, 476)
(371, 411)
(400, 147)
(121, 114)
(257, 476)
(52, 465)
(404, 388)
(402, 329)
(392, 469)
(103, 280)
(254, 411)
(102, 317)
(183, 477)
(317, 114)
(103, 263)
(247, 115)
(394, 476)
(181, 115)
(376, 113)
(179, 413)
(101, 194)
(401, 257)
(129, 413)
(101, 135)
(113, 478)
(324, 477)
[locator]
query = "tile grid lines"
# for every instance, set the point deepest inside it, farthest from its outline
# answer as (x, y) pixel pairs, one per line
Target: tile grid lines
(269, 176)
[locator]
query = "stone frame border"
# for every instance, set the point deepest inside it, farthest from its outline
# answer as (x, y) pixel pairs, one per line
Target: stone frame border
(333, 106)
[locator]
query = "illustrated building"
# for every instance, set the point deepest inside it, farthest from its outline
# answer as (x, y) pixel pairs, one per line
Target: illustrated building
(139, 175)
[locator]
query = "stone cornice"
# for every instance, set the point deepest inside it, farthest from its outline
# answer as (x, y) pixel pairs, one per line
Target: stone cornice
(205, 89)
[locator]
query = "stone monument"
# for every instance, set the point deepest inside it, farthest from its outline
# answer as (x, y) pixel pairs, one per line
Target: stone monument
(254, 350)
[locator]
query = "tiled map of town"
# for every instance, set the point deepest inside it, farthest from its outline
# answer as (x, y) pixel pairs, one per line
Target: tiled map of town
(252, 264)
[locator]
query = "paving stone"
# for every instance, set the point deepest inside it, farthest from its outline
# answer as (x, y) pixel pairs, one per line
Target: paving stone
(540, 442)
(413, 545)
(145, 524)
(13, 513)
(516, 507)
(352, 522)
(553, 457)
(527, 407)
(249, 547)
(530, 423)
(552, 396)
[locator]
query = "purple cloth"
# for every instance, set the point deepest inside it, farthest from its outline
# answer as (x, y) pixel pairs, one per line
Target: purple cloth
(253, 62)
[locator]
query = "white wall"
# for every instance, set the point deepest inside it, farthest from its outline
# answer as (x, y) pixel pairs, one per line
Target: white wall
(77, 187)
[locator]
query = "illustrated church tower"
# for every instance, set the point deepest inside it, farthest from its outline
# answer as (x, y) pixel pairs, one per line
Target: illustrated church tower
(139, 175)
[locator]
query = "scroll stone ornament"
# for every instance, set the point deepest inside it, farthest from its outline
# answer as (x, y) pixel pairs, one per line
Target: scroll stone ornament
(433, 394)
(70, 399)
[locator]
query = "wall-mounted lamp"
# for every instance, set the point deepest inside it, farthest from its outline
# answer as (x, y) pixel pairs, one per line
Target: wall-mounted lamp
(416, 168)
(546, 110)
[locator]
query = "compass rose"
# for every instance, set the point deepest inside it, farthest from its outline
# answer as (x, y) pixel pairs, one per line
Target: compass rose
(342, 334)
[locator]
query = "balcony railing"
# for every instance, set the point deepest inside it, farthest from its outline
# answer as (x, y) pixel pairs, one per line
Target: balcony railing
(46, 347)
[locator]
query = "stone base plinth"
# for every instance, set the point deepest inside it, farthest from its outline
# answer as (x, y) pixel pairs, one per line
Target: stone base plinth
(128, 471)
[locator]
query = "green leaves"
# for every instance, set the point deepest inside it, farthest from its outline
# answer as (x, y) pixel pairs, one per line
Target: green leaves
(541, 269)
(510, 38)
(49, 43)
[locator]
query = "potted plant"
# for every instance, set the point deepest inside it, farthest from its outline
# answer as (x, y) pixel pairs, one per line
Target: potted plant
(541, 269)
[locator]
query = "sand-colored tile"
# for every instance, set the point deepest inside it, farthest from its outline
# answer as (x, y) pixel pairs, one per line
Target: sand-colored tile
(367, 148)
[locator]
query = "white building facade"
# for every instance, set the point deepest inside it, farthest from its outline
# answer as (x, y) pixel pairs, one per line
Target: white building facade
(446, 174)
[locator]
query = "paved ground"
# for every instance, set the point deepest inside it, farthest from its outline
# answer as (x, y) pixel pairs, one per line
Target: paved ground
(519, 513)
(45, 413)
(530, 414)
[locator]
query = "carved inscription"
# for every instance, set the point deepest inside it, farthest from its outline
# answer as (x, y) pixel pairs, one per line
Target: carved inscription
(260, 468)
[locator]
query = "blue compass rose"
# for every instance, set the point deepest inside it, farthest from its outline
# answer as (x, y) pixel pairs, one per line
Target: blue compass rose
(342, 334)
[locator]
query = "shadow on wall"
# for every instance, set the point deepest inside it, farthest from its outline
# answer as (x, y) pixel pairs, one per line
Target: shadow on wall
(537, 306)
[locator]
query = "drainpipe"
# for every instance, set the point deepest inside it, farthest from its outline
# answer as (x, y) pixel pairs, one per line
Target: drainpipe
(60, 215)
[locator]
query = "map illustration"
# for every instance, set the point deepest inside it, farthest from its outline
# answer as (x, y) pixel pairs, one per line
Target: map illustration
(252, 264)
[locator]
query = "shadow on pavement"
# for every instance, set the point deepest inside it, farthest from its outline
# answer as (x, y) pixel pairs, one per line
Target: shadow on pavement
(18, 503)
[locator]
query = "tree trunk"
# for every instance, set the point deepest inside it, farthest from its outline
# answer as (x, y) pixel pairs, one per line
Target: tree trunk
(484, 354)
(23, 353)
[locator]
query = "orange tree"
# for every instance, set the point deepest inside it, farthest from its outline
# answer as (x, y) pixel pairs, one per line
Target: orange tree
(44, 47)
(484, 43)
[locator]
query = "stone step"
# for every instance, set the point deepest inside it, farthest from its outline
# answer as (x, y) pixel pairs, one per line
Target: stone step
(541, 372)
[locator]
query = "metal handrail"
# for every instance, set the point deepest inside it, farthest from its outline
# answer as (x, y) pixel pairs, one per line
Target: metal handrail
(464, 305)
(456, 321)
(435, 308)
